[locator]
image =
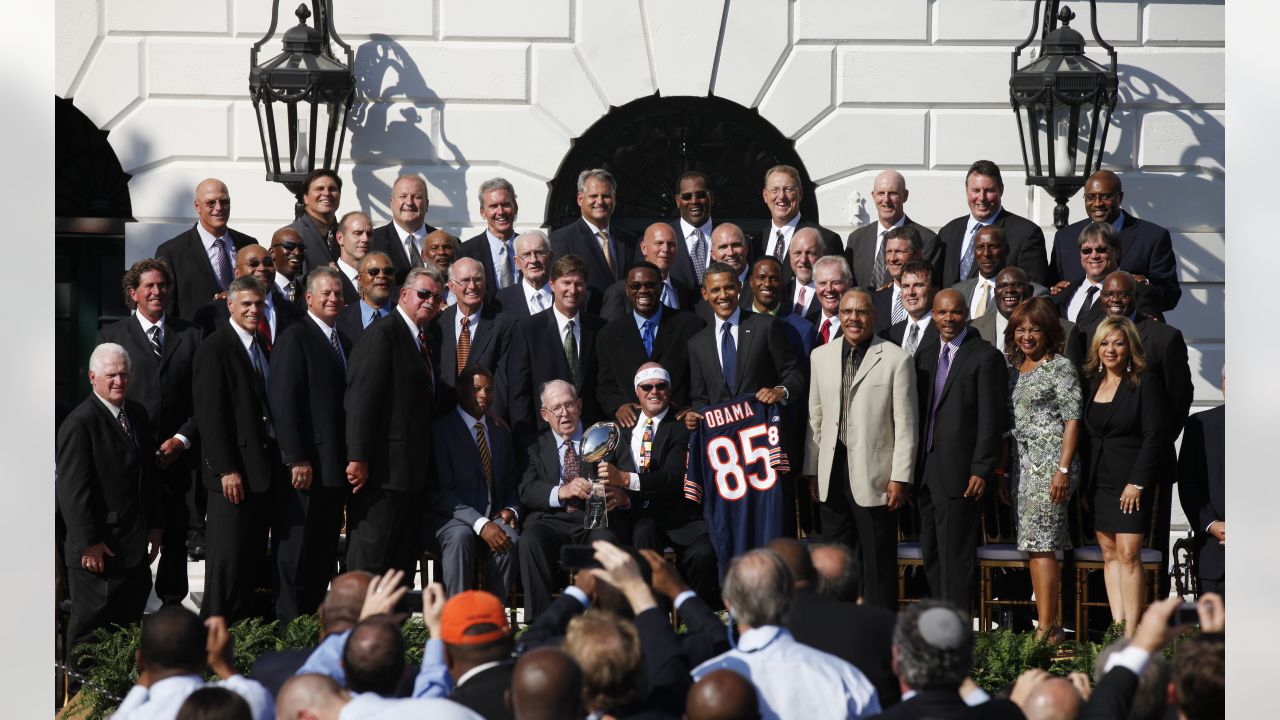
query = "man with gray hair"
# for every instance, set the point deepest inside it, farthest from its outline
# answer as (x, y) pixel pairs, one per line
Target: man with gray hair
(757, 593)
(806, 250)
(108, 501)
(532, 294)
(494, 248)
(606, 250)
(831, 277)
(932, 655)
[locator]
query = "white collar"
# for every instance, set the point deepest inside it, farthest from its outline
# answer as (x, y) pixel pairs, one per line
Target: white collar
(417, 235)
(901, 221)
(479, 668)
(688, 229)
(792, 223)
(115, 409)
(147, 324)
(413, 327)
(657, 419)
(246, 338)
(596, 230)
(325, 327)
(735, 319)
(207, 238)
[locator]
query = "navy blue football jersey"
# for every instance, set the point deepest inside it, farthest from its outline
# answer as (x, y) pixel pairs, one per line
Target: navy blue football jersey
(735, 463)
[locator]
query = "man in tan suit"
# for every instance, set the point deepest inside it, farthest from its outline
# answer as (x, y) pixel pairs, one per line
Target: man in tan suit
(861, 443)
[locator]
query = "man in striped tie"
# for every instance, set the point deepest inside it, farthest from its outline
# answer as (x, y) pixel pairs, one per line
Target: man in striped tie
(477, 505)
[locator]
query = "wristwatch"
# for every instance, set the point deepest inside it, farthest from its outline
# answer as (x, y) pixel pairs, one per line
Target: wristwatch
(1140, 488)
(1064, 471)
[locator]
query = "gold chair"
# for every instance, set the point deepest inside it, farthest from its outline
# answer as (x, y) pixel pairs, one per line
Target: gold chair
(910, 557)
(1088, 560)
(999, 552)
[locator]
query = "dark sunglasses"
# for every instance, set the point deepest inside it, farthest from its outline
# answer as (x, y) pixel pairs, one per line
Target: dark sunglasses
(650, 387)
(376, 271)
(255, 262)
(288, 246)
(699, 194)
(428, 296)
(1095, 251)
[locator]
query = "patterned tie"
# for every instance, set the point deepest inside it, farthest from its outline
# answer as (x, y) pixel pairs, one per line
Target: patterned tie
(464, 343)
(537, 302)
(126, 426)
(571, 352)
(846, 384)
(899, 312)
(256, 357)
(801, 302)
(913, 340)
(669, 297)
(646, 445)
(878, 270)
(337, 348)
(482, 444)
(728, 357)
(426, 358)
(505, 273)
(699, 256)
(157, 344)
(1088, 303)
(604, 248)
(222, 264)
(778, 247)
(264, 330)
(569, 470)
(648, 336)
(411, 247)
(980, 305)
(939, 381)
(966, 260)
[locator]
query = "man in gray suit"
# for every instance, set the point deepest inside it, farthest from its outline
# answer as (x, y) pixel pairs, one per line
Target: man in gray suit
(865, 249)
(991, 255)
(476, 505)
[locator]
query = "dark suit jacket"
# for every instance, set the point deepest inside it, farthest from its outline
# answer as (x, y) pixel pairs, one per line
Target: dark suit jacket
(1202, 485)
(194, 282)
(1145, 249)
(1090, 318)
(882, 301)
(536, 355)
(1166, 354)
(948, 705)
(863, 242)
(812, 309)
(616, 304)
(1073, 346)
(1112, 697)
(273, 669)
(386, 239)
(461, 492)
(485, 692)
(318, 252)
(661, 495)
(161, 386)
(859, 634)
(351, 324)
(232, 412)
(350, 293)
(620, 350)
(1129, 443)
(765, 360)
(215, 315)
(971, 416)
(543, 473)
(305, 391)
(577, 238)
(105, 483)
(682, 270)
(477, 248)
(510, 302)
(1026, 247)
(489, 341)
(389, 400)
(763, 245)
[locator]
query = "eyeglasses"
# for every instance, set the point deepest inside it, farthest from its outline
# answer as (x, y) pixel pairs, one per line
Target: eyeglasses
(650, 387)
(427, 295)
(562, 408)
(266, 261)
(527, 256)
(211, 204)
(699, 194)
(376, 271)
(288, 246)
(1117, 294)
(469, 281)
(1099, 197)
(789, 191)
(1095, 250)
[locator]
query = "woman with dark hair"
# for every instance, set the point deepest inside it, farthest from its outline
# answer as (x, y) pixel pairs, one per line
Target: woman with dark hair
(1127, 436)
(1044, 407)
(214, 703)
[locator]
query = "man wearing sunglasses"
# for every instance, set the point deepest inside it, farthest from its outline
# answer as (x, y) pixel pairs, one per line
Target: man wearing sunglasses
(376, 283)
(1080, 302)
(693, 228)
(202, 256)
(390, 400)
(289, 253)
(658, 248)
(278, 313)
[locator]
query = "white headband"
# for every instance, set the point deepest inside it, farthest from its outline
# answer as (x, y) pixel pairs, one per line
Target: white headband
(653, 373)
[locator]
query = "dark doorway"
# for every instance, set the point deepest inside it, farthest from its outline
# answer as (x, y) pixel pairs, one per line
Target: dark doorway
(649, 142)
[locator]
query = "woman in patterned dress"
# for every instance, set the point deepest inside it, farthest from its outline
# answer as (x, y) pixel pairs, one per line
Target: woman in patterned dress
(1044, 402)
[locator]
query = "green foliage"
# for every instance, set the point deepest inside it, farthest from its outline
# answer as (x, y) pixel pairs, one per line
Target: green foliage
(415, 639)
(110, 653)
(1000, 656)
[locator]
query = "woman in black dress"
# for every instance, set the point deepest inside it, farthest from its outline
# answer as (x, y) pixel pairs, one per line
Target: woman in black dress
(1127, 434)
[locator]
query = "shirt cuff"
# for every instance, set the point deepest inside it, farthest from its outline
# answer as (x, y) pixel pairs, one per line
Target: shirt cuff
(514, 512)
(1209, 527)
(1131, 658)
(576, 593)
(186, 444)
(976, 697)
(479, 524)
(633, 482)
(554, 500)
(682, 597)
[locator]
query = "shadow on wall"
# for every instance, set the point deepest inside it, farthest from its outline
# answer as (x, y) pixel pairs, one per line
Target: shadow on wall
(390, 127)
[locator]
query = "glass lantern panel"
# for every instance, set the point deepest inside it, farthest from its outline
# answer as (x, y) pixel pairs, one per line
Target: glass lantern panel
(303, 132)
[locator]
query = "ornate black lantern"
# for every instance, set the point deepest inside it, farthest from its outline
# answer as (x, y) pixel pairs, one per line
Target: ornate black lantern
(304, 94)
(1063, 102)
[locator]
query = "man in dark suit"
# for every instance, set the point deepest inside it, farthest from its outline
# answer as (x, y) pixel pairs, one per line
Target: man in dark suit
(730, 246)
(353, 235)
(902, 245)
(740, 353)
(866, 250)
(558, 343)
(605, 251)
(1099, 252)
(404, 238)
(693, 228)
(1146, 249)
(991, 255)
(108, 501)
(983, 190)
(962, 387)
(649, 461)
(162, 349)
(658, 248)
(801, 293)
(532, 294)
(241, 462)
(289, 254)
(831, 278)
(278, 313)
(202, 258)
(322, 191)
(471, 332)
(649, 331)
(391, 394)
(305, 394)
(477, 504)
(554, 490)
(1202, 488)
(495, 247)
(1012, 288)
(917, 329)
(782, 194)
(376, 284)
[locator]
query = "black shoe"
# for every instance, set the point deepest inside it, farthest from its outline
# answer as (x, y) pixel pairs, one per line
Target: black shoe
(195, 552)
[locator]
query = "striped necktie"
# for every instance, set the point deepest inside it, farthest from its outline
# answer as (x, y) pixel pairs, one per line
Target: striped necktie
(486, 460)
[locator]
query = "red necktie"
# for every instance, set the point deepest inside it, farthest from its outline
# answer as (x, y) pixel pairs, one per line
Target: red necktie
(264, 330)
(826, 330)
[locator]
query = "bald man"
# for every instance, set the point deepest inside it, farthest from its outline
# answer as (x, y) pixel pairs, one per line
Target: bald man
(1052, 698)
(659, 247)
(279, 313)
(865, 248)
(722, 695)
(289, 253)
(315, 696)
(202, 258)
(546, 685)
(404, 238)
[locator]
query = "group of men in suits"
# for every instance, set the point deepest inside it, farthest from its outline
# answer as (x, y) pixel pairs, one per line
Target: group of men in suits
(341, 369)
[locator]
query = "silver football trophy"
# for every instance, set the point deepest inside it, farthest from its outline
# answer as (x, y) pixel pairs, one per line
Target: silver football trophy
(597, 441)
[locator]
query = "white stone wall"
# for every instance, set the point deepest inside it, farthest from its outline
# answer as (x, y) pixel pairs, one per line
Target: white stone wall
(462, 90)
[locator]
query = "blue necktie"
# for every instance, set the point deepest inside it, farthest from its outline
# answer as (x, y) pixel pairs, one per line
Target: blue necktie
(939, 381)
(728, 357)
(966, 259)
(648, 337)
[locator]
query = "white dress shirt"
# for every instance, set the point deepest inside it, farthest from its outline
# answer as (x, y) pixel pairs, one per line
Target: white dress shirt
(970, 231)
(473, 324)
(983, 286)
(406, 237)
(352, 273)
(691, 237)
(637, 434)
(247, 339)
(734, 320)
(788, 231)
(228, 248)
(543, 292)
(164, 698)
(495, 251)
(923, 323)
(803, 301)
(554, 500)
(833, 321)
(880, 239)
(561, 321)
(1077, 300)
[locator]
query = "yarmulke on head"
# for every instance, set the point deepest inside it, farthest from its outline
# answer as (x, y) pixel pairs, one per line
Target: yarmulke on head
(942, 628)
(473, 617)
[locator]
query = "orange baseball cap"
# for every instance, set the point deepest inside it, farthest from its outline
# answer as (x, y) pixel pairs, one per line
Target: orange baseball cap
(476, 611)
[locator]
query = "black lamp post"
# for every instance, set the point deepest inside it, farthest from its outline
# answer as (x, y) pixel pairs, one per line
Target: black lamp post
(1063, 102)
(312, 87)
